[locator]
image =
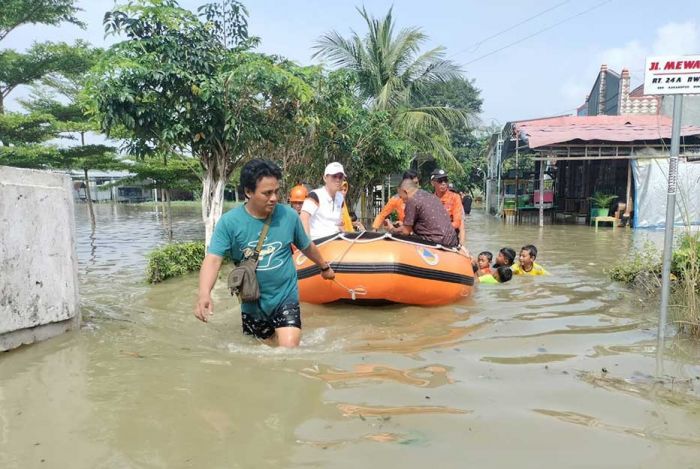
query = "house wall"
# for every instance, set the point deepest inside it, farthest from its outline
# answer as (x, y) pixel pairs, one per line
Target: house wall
(691, 109)
(577, 180)
(38, 267)
(604, 97)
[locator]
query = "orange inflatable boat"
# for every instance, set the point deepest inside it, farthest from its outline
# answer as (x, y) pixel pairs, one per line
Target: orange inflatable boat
(384, 268)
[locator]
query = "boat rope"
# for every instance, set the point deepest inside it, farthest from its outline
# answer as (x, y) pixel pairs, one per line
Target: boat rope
(359, 290)
(352, 243)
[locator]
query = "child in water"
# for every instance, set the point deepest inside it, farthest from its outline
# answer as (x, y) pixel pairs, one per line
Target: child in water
(527, 264)
(483, 263)
(505, 257)
(500, 275)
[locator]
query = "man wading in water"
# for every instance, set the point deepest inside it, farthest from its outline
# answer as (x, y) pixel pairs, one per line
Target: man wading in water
(276, 314)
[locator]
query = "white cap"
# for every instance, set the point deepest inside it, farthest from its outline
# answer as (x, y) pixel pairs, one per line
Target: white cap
(334, 168)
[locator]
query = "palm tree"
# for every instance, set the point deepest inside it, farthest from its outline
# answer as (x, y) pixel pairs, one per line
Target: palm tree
(390, 69)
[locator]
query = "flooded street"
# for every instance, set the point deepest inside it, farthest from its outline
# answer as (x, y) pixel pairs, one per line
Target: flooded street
(545, 372)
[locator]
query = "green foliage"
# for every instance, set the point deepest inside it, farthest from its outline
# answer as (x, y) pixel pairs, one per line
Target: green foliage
(175, 172)
(18, 129)
(338, 127)
(89, 157)
(174, 260)
(468, 146)
(179, 83)
(390, 70)
(174, 85)
(686, 256)
(646, 259)
(15, 13)
(34, 156)
(23, 68)
(601, 200)
(686, 265)
(456, 93)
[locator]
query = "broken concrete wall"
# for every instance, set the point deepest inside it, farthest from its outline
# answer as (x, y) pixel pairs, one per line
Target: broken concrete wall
(38, 266)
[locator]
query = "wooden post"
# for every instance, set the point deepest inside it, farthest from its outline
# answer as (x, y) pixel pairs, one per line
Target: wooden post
(542, 163)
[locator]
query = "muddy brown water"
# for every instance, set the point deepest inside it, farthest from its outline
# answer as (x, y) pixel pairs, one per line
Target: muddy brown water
(547, 372)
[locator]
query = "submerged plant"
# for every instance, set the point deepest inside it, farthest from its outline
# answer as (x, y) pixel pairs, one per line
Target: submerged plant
(645, 260)
(174, 260)
(686, 310)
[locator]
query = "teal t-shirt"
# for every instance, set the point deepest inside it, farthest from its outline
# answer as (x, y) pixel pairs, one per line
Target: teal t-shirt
(277, 277)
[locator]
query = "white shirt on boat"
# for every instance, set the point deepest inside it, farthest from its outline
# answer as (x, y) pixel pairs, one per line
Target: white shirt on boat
(326, 216)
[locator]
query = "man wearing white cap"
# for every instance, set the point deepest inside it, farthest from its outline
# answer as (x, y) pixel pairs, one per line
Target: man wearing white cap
(322, 212)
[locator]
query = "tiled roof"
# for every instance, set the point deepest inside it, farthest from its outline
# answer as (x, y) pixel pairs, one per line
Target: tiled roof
(628, 128)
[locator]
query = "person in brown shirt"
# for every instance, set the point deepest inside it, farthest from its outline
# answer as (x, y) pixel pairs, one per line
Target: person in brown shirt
(425, 216)
(450, 200)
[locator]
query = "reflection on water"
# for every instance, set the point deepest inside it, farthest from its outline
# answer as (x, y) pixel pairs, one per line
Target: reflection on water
(143, 384)
(426, 377)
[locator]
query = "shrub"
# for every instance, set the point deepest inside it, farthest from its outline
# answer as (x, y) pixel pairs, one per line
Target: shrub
(174, 260)
(643, 260)
(686, 255)
(686, 265)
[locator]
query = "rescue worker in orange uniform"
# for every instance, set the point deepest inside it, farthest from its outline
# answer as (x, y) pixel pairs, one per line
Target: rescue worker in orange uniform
(297, 196)
(395, 204)
(450, 200)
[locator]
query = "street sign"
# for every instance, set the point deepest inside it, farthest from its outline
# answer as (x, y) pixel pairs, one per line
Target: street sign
(673, 74)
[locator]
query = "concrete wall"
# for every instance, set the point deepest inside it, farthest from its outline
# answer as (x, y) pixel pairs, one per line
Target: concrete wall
(691, 109)
(38, 266)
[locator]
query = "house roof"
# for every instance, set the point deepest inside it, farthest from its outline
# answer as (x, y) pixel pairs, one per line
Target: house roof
(638, 91)
(628, 128)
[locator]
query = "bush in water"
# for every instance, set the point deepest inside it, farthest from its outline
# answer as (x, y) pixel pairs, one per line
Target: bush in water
(174, 260)
(686, 295)
(627, 269)
(642, 269)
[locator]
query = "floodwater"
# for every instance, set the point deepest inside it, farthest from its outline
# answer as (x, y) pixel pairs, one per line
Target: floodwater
(546, 372)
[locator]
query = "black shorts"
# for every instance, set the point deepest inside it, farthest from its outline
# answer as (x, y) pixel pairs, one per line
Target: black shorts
(285, 315)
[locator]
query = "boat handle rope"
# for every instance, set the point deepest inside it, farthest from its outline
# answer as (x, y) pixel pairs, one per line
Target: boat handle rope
(360, 290)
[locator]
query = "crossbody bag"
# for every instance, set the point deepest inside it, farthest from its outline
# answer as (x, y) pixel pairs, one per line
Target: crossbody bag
(242, 280)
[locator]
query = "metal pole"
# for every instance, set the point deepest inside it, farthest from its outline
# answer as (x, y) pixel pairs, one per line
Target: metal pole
(517, 179)
(670, 218)
(628, 194)
(542, 194)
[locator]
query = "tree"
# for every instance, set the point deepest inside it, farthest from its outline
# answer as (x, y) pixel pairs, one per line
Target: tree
(58, 94)
(390, 69)
(24, 68)
(16, 13)
(23, 138)
(188, 84)
(344, 130)
(87, 158)
(41, 59)
(466, 143)
(168, 172)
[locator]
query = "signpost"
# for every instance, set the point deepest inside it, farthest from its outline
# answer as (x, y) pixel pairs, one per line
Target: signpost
(672, 75)
(676, 75)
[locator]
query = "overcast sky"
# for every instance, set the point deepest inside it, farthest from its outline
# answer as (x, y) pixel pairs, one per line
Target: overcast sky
(551, 49)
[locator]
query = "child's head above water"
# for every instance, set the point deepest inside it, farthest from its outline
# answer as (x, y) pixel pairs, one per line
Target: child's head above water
(528, 254)
(484, 259)
(505, 257)
(503, 274)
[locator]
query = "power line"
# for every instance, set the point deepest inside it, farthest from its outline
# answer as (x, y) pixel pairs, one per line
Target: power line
(598, 5)
(476, 45)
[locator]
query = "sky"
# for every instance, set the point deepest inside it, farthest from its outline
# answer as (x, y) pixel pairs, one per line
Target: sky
(529, 58)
